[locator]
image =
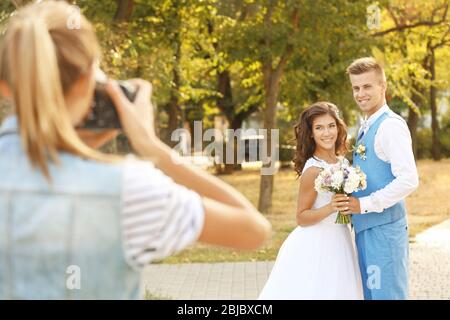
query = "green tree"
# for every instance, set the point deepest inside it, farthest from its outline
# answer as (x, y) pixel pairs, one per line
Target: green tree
(414, 32)
(292, 37)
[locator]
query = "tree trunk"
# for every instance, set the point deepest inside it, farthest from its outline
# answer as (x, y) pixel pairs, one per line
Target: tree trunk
(271, 86)
(124, 10)
(229, 168)
(272, 78)
(225, 101)
(225, 104)
(413, 116)
(413, 119)
(435, 142)
(173, 110)
(174, 103)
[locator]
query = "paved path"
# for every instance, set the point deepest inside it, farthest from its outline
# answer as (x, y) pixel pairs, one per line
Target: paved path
(430, 263)
(429, 274)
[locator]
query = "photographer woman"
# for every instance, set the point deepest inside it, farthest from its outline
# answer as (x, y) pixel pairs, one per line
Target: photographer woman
(76, 223)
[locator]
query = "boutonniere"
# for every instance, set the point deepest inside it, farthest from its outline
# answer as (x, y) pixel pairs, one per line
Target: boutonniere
(360, 150)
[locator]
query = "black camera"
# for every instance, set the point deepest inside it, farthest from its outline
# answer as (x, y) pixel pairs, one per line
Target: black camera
(103, 114)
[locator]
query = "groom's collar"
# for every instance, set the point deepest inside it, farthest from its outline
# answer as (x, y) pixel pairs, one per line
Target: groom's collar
(366, 123)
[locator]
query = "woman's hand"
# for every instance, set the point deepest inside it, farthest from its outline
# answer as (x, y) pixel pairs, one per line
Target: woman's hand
(345, 204)
(353, 207)
(136, 117)
(339, 202)
(96, 139)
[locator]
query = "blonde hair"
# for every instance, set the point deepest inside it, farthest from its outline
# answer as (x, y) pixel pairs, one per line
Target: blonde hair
(366, 64)
(41, 57)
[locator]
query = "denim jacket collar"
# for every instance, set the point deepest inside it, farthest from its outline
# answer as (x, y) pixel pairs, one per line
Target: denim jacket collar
(9, 125)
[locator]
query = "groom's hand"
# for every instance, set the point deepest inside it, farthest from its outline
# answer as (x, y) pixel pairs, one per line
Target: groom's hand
(353, 206)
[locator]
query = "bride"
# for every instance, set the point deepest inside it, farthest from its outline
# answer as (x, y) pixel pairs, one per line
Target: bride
(317, 260)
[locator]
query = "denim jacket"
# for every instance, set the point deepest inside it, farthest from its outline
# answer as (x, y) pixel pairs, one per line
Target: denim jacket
(60, 240)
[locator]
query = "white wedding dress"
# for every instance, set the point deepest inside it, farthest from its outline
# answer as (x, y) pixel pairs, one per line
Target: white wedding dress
(316, 262)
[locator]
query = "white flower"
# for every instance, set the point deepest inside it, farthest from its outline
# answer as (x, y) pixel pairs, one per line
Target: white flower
(352, 182)
(340, 176)
(361, 151)
(355, 181)
(337, 179)
(363, 183)
(318, 184)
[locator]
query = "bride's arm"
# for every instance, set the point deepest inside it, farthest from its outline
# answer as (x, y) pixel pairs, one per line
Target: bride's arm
(306, 197)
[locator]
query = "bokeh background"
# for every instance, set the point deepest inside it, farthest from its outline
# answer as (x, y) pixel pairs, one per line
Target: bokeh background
(259, 63)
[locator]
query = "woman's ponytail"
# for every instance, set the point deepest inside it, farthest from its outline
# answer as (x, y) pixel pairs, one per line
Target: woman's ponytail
(40, 59)
(37, 92)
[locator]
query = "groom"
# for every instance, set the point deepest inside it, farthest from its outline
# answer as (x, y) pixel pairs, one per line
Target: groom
(378, 212)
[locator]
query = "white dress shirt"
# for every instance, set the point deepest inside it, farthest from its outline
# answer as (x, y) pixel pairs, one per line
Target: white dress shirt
(393, 145)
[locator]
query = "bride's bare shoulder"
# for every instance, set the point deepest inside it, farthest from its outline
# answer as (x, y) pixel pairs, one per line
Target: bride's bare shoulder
(310, 174)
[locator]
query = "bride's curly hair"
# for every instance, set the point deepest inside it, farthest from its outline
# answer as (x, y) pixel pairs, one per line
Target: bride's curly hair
(306, 145)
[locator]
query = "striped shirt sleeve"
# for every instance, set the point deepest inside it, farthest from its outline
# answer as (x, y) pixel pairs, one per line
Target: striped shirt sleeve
(159, 217)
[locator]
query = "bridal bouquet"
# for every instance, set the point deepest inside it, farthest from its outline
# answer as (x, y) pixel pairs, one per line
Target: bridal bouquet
(341, 178)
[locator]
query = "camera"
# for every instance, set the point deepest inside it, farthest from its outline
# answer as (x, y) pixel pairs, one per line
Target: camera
(103, 114)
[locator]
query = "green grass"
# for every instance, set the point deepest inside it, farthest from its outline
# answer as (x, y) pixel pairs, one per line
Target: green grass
(427, 206)
(154, 296)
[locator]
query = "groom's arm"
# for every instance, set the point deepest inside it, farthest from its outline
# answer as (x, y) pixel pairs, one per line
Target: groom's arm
(393, 144)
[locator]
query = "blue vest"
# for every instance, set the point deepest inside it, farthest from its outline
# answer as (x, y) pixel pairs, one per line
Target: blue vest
(60, 240)
(379, 174)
